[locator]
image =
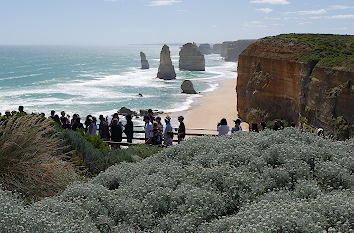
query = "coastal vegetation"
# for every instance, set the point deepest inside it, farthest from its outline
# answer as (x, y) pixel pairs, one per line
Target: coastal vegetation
(328, 50)
(275, 181)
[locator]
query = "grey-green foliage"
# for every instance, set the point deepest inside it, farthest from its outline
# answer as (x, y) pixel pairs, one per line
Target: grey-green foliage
(94, 159)
(283, 181)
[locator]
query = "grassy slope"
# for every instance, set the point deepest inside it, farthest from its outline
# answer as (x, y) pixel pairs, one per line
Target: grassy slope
(329, 50)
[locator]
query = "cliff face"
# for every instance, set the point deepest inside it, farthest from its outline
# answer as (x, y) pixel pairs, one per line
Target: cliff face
(166, 69)
(272, 80)
(230, 50)
(191, 59)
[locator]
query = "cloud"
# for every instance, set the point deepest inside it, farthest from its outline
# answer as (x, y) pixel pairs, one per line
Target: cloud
(265, 10)
(163, 2)
(341, 7)
(333, 17)
(274, 2)
(313, 12)
(341, 17)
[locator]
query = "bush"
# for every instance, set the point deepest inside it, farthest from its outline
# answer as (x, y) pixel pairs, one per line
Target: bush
(95, 160)
(31, 158)
(275, 181)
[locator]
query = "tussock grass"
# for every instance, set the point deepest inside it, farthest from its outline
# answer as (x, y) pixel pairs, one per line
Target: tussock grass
(31, 158)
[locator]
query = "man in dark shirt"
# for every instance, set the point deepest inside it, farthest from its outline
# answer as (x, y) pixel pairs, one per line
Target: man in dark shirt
(181, 129)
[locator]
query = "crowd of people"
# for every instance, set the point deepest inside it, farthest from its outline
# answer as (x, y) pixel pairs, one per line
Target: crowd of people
(154, 130)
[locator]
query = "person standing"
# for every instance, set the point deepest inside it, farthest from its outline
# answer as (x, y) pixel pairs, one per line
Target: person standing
(168, 127)
(237, 126)
(223, 128)
(103, 129)
(148, 130)
(92, 130)
(116, 132)
(181, 129)
(160, 129)
(151, 116)
(129, 128)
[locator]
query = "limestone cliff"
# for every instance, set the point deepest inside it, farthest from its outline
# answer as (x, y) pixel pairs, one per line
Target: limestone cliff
(230, 50)
(191, 59)
(166, 69)
(289, 77)
(144, 61)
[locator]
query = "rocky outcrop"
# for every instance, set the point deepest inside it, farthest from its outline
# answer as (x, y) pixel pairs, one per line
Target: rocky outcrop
(166, 69)
(273, 81)
(144, 61)
(191, 59)
(126, 111)
(232, 49)
(205, 49)
(187, 87)
(217, 48)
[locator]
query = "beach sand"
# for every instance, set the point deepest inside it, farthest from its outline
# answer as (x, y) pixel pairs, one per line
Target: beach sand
(211, 108)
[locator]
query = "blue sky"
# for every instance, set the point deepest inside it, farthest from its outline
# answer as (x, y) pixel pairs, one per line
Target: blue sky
(120, 22)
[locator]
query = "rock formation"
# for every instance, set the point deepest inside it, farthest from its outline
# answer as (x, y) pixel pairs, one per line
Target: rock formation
(126, 111)
(144, 61)
(187, 87)
(232, 49)
(272, 79)
(166, 69)
(217, 48)
(191, 59)
(205, 49)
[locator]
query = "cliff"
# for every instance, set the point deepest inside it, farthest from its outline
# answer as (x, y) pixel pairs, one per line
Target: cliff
(166, 69)
(191, 59)
(303, 78)
(144, 61)
(230, 50)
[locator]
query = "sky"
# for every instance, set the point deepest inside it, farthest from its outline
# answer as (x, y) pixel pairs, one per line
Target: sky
(122, 22)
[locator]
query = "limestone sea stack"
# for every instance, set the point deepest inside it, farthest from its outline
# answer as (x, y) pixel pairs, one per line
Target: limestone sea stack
(144, 61)
(191, 59)
(187, 87)
(205, 49)
(166, 69)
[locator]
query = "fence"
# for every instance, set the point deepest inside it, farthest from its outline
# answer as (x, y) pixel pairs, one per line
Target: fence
(174, 133)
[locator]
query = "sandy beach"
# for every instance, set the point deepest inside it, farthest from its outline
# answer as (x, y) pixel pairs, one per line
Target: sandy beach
(207, 111)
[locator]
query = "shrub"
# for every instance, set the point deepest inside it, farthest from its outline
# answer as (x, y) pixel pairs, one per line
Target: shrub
(31, 158)
(92, 158)
(275, 181)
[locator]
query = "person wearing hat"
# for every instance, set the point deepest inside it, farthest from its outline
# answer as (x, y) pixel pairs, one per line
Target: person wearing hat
(181, 129)
(168, 127)
(7, 114)
(237, 126)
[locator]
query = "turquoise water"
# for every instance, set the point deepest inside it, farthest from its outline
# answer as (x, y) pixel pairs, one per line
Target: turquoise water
(98, 80)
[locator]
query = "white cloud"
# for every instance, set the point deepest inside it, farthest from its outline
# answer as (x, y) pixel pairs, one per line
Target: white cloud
(341, 17)
(274, 2)
(341, 7)
(313, 12)
(265, 10)
(163, 2)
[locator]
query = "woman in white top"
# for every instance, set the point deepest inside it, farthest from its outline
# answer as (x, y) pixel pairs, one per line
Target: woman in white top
(223, 128)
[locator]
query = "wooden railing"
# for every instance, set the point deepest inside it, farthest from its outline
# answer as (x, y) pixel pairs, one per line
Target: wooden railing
(174, 133)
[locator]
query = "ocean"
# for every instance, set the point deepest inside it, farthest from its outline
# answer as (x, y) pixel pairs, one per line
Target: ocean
(98, 80)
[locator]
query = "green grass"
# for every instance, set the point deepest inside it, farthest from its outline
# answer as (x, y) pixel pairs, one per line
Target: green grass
(328, 50)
